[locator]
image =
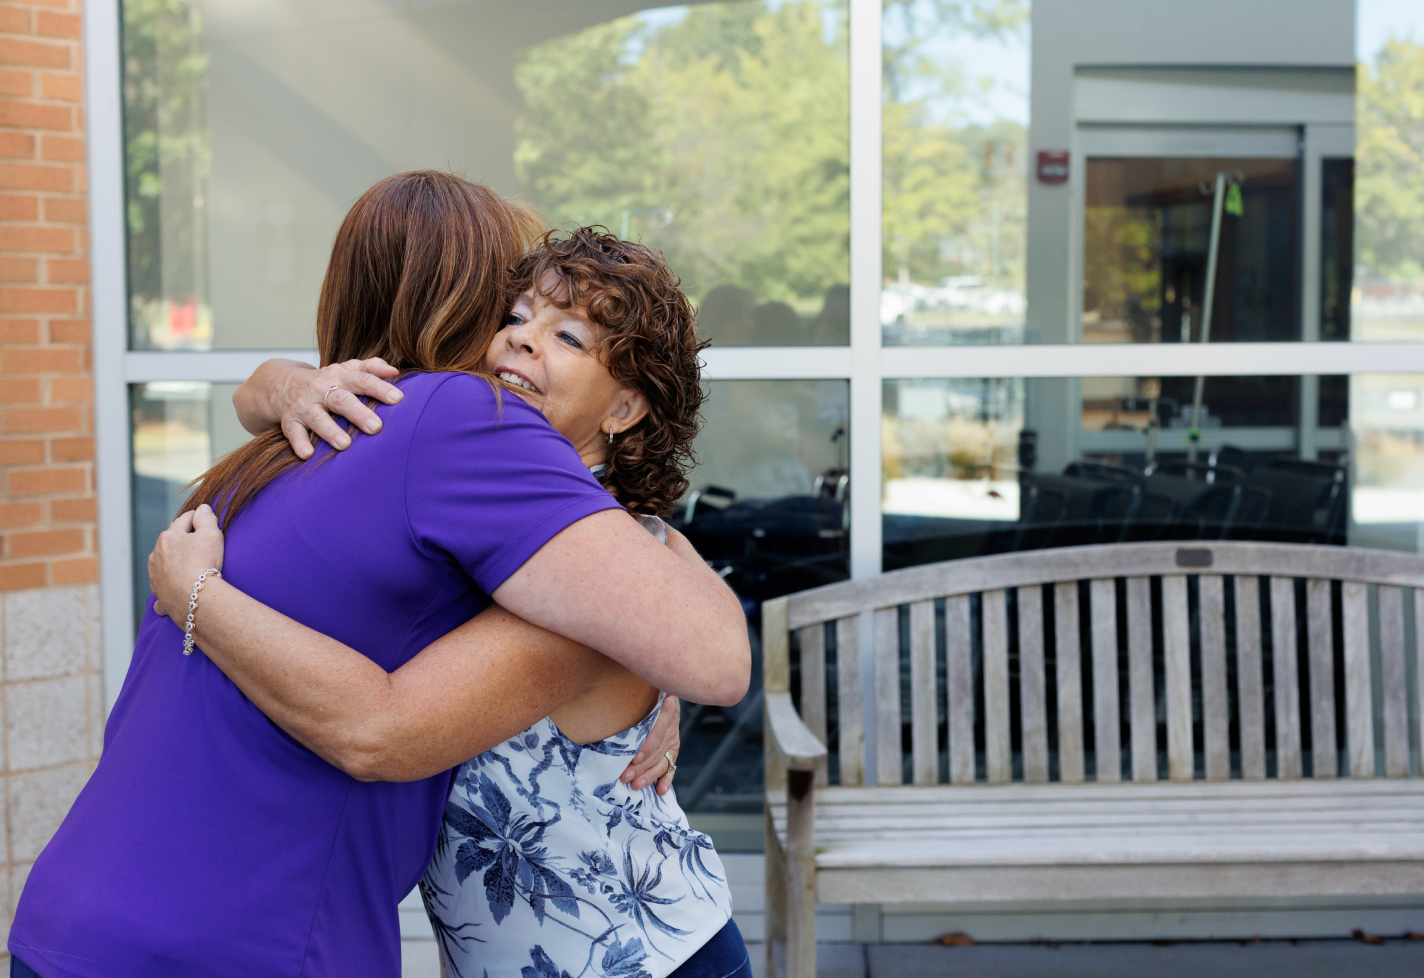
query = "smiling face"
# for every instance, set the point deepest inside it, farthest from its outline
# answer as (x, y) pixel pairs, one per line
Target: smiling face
(550, 355)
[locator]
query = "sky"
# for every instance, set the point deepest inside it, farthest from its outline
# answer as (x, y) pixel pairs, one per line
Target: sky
(1378, 19)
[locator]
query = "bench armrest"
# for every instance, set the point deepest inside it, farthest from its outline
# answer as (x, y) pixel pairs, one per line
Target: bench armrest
(801, 748)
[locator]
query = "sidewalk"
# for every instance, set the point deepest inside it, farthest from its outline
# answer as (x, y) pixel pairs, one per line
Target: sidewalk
(1227, 959)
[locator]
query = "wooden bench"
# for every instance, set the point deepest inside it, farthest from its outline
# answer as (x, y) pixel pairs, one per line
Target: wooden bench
(1123, 721)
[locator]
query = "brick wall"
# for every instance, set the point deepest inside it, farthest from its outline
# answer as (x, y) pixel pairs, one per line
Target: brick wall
(51, 694)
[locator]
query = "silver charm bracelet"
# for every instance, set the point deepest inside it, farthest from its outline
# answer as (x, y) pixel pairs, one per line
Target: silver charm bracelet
(193, 607)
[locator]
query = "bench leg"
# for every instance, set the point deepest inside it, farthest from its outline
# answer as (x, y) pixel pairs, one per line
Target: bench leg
(775, 912)
(801, 875)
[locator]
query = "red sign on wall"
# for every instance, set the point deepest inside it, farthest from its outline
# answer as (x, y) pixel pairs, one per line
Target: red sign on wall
(1052, 166)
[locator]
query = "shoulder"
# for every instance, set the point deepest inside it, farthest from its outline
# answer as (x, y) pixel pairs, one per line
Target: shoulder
(460, 401)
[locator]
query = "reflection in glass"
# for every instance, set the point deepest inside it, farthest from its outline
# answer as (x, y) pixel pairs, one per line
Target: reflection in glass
(1387, 424)
(1147, 225)
(976, 467)
(769, 509)
(955, 172)
(718, 133)
(179, 428)
(1389, 220)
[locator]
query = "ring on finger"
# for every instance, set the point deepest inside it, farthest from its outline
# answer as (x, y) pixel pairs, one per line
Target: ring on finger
(672, 765)
(333, 387)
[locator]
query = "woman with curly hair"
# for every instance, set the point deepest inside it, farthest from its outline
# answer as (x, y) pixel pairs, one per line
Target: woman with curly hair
(547, 863)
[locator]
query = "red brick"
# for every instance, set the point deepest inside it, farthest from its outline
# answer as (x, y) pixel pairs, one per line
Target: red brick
(73, 510)
(42, 360)
(38, 482)
(57, 25)
(19, 207)
(17, 145)
(14, 515)
(16, 451)
(71, 390)
(79, 570)
(68, 330)
(38, 420)
(16, 81)
(72, 449)
(38, 300)
(15, 20)
(39, 54)
(21, 390)
(55, 4)
(23, 176)
(65, 149)
(24, 114)
(16, 577)
(67, 270)
(36, 239)
(66, 210)
(66, 87)
(44, 543)
(18, 269)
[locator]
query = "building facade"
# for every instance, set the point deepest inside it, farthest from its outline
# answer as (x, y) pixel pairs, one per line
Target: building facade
(955, 278)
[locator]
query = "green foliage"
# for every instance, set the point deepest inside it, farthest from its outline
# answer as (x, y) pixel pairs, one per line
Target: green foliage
(955, 199)
(1389, 175)
(722, 140)
(166, 149)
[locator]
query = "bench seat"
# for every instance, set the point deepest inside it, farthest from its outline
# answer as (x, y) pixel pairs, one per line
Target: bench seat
(973, 843)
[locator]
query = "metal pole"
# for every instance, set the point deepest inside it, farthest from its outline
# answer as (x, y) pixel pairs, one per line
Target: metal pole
(1211, 255)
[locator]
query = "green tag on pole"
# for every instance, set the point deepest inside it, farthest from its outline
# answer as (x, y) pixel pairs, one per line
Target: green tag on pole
(1233, 200)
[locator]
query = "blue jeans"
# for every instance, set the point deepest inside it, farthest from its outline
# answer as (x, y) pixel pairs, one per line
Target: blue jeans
(18, 969)
(724, 956)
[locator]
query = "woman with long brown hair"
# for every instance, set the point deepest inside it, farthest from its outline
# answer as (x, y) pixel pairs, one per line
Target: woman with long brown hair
(208, 841)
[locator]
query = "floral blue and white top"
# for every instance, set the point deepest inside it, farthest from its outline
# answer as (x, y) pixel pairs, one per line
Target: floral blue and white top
(549, 866)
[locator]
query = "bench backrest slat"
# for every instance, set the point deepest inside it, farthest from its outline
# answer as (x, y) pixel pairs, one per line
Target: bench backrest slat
(1033, 697)
(998, 756)
(959, 688)
(1146, 661)
(887, 696)
(1068, 662)
(848, 701)
(1394, 679)
(1250, 684)
(924, 695)
(1107, 725)
(1177, 659)
(1285, 665)
(813, 685)
(1142, 698)
(1321, 658)
(1359, 693)
(1216, 716)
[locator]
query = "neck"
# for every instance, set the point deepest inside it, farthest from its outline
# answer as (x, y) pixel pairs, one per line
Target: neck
(597, 455)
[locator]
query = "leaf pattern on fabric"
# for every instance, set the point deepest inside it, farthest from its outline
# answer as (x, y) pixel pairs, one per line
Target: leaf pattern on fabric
(564, 871)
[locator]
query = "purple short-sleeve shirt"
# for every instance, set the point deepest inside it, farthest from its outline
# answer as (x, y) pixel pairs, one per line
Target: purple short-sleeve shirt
(210, 843)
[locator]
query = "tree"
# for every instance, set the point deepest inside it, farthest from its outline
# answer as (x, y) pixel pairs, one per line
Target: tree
(722, 140)
(1389, 181)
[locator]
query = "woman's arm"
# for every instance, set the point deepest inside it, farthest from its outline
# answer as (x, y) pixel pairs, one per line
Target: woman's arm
(298, 397)
(477, 686)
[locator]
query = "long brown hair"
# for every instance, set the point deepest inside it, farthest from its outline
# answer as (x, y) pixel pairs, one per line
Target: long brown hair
(416, 277)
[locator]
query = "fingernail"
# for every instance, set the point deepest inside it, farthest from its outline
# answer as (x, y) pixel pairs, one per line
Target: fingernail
(373, 426)
(343, 442)
(394, 396)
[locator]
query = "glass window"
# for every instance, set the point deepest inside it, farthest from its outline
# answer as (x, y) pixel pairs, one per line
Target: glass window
(955, 172)
(718, 133)
(975, 467)
(769, 509)
(179, 429)
(1146, 234)
(1388, 297)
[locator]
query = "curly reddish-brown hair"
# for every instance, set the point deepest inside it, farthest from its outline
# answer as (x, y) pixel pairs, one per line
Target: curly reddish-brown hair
(650, 345)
